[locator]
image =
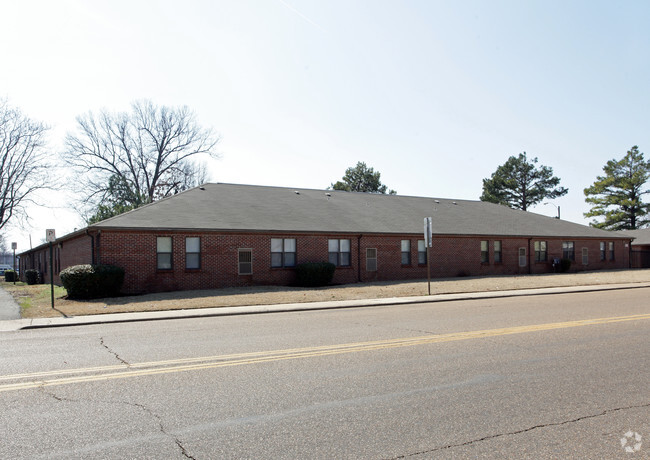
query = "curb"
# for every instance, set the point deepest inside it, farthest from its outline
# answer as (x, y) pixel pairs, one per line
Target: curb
(86, 320)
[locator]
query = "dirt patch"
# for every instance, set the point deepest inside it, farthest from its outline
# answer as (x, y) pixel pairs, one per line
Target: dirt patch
(281, 294)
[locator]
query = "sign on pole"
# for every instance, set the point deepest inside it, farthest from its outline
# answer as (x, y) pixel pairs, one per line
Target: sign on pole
(428, 242)
(428, 232)
(50, 235)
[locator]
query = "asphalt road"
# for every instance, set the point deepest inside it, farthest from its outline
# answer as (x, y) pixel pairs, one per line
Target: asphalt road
(560, 376)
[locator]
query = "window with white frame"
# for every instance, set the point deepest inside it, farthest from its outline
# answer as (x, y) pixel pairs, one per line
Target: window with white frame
(422, 252)
(603, 255)
(371, 259)
(611, 250)
(164, 252)
(245, 262)
(406, 252)
(585, 256)
(192, 253)
(339, 252)
(283, 252)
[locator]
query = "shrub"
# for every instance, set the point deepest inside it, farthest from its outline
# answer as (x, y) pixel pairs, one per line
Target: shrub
(565, 265)
(10, 276)
(312, 274)
(32, 276)
(92, 281)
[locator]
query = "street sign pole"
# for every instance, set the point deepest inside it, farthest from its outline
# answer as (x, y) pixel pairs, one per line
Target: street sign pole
(14, 246)
(51, 274)
(50, 237)
(428, 236)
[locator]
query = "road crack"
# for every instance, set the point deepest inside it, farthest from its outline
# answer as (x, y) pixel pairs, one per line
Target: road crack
(158, 418)
(118, 357)
(142, 407)
(525, 430)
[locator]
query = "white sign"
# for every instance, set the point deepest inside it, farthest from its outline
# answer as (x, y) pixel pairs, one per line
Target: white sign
(50, 235)
(428, 232)
(14, 245)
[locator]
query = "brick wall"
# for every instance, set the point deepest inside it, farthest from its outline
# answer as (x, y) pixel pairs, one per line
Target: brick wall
(450, 257)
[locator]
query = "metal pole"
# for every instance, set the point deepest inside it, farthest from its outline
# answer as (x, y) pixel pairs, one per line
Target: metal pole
(429, 268)
(15, 273)
(52, 273)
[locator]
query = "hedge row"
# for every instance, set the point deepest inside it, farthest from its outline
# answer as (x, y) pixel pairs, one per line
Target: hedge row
(92, 281)
(314, 274)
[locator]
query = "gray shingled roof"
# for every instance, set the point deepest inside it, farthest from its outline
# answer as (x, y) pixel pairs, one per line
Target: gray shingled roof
(279, 209)
(642, 236)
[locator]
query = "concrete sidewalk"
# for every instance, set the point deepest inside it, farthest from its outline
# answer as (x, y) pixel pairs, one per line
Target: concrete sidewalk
(9, 309)
(34, 323)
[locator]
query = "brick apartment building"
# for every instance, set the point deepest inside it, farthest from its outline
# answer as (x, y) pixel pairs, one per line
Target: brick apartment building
(223, 235)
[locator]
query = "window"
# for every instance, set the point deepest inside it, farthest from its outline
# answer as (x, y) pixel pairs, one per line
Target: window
(339, 252)
(497, 252)
(245, 262)
(192, 253)
(283, 252)
(422, 253)
(164, 252)
(603, 256)
(568, 250)
(540, 251)
(371, 259)
(611, 250)
(522, 257)
(485, 254)
(406, 252)
(585, 256)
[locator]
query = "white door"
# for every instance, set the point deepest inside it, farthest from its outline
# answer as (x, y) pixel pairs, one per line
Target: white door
(522, 257)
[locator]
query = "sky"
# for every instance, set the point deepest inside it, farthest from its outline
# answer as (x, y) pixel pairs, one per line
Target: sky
(434, 95)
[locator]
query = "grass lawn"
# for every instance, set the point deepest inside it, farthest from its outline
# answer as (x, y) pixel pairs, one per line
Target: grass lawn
(35, 298)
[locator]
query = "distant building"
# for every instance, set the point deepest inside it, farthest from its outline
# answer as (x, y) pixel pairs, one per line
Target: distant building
(222, 235)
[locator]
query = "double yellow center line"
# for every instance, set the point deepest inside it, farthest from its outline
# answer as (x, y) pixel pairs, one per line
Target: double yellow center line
(94, 374)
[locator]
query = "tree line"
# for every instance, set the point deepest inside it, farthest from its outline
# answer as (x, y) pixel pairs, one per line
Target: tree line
(616, 197)
(124, 160)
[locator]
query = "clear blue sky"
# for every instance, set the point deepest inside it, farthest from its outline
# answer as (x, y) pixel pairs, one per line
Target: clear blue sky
(434, 95)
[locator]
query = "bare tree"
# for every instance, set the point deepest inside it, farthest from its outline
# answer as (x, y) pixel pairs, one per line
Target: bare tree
(23, 162)
(148, 151)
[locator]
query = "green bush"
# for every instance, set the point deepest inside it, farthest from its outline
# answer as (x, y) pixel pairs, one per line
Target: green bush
(313, 274)
(10, 276)
(32, 276)
(92, 281)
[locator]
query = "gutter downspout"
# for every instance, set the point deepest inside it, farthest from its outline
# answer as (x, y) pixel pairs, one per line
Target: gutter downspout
(92, 247)
(99, 247)
(359, 258)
